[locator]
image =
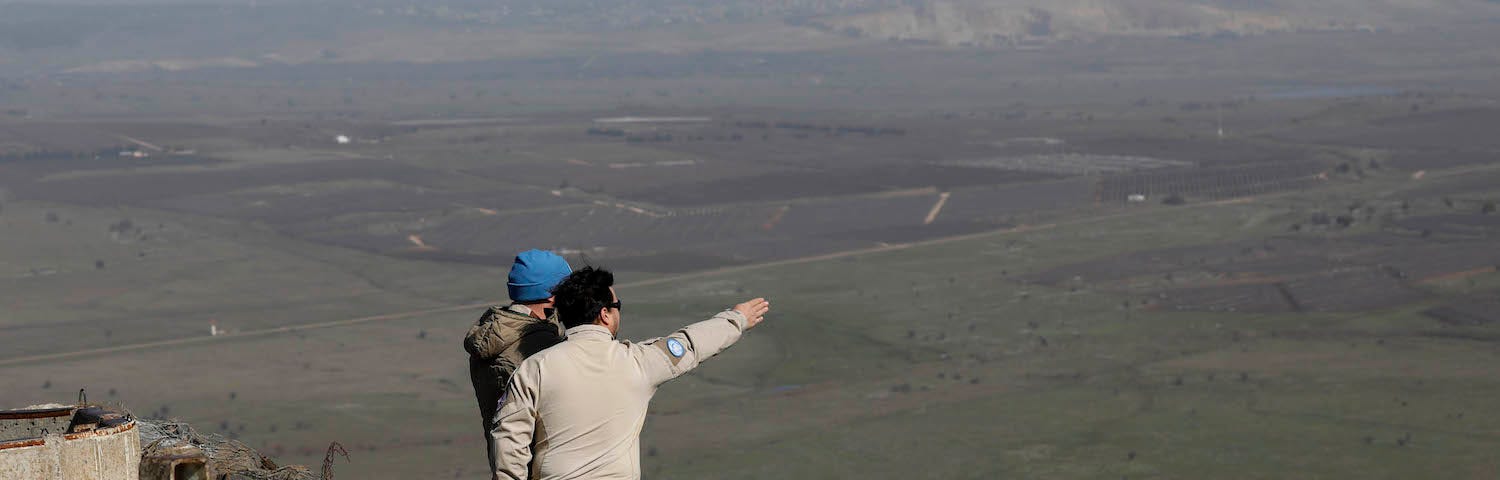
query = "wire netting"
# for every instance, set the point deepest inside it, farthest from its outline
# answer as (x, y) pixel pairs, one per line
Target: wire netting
(227, 457)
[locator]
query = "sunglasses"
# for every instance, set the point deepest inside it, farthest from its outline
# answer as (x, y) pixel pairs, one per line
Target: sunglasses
(616, 305)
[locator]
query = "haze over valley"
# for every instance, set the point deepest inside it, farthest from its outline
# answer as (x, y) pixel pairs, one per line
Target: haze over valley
(1004, 238)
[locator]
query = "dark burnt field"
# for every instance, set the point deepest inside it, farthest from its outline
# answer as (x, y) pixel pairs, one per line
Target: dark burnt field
(1449, 130)
(727, 188)
(1214, 183)
(730, 157)
(1467, 312)
(830, 182)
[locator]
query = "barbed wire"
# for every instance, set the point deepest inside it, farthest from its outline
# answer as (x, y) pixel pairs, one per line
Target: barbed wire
(226, 456)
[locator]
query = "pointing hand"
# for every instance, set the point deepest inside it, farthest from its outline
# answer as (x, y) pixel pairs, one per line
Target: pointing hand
(754, 311)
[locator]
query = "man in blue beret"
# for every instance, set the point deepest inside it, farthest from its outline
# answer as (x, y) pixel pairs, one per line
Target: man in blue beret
(504, 336)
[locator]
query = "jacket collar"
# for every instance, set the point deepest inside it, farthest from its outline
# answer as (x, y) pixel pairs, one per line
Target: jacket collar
(521, 309)
(589, 332)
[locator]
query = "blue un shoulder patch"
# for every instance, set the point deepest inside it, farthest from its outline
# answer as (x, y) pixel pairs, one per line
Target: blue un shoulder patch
(675, 348)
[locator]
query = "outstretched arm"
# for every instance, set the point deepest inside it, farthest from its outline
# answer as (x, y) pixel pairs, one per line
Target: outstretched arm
(668, 357)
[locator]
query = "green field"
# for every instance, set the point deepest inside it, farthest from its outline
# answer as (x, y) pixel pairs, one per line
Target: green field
(929, 360)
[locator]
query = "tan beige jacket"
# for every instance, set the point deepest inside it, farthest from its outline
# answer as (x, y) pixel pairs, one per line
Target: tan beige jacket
(576, 410)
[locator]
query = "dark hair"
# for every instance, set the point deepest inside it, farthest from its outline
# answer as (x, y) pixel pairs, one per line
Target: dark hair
(581, 296)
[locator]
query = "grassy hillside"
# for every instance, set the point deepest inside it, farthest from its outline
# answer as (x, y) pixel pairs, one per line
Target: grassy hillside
(929, 361)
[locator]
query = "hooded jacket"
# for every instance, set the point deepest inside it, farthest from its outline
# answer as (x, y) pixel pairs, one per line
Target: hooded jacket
(497, 343)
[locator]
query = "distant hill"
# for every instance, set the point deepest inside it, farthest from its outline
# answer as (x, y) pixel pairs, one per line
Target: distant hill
(101, 36)
(1003, 22)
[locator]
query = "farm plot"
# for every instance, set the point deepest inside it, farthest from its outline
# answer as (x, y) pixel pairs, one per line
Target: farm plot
(891, 219)
(915, 233)
(808, 149)
(308, 202)
(1441, 130)
(1345, 291)
(612, 232)
(1211, 183)
(129, 189)
(20, 169)
(753, 249)
(829, 183)
(1207, 152)
(594, 230)
(588, 229)
(1437, 260)
(1262, 298)
(1467, 312)
(1348, 291)
(995, 204)
(1458, 225)
(31, 136)
(617, 169)
(1272, 275)
(711, 236)
(1440, 158)
(683, 261)
(1151, 263)
(1471, 183)
(1291, 256)
(1272, 266)
(1070, 163)
(849, 214)
(379, 239)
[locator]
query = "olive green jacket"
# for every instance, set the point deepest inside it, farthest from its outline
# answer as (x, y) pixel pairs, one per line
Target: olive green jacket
(497, 343)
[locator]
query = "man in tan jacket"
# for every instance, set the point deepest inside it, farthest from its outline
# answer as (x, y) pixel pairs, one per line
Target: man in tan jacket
(504, 336)
(576, 410)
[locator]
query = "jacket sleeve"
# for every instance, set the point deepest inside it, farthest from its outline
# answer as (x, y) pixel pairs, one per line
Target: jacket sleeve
(668, 357)
(511, 435)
